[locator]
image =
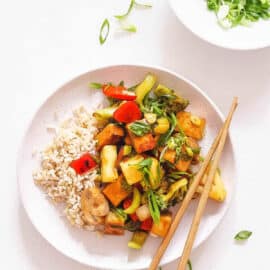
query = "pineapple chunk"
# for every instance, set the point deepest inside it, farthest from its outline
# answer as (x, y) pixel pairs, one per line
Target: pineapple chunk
(108, 158)
(218, 190)
(130, 169)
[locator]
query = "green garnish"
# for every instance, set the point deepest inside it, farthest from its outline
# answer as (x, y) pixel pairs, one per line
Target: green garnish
(165, 137)
(189, 265)
(231, 13)
(139, 128)
(176, 143)
(243, 235)
(153, 206)
(144, 166)
(123, 16)
(95, 85)
(120, 213)
(104, 31)
(132, 4)
(143, 5)
(129, 28)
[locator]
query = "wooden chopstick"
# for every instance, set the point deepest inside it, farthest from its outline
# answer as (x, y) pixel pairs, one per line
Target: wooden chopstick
(185, 203)
(204, 196)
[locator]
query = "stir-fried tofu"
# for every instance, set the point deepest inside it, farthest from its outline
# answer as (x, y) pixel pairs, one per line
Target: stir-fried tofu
(161, 228)
(113, 224)
(192, 125)
(111, 134)
(115, 192)
(143, 143)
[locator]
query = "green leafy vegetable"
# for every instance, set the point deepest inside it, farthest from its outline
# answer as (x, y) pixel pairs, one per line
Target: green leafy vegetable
(243, 235)
(120, 212)
(144, 166)
(104, 31)
(165, 137)
(231, 13)
(139, 128)
(153, 206)
(178, 175)
(189, 265)
(95, 85)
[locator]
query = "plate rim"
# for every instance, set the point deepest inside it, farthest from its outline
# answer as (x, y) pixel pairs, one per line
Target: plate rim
(125, 65)
(216, 44)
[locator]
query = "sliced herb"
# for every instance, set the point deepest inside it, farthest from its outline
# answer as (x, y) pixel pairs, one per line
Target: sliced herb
(164, 137)
(139, 128)
(231, 13)
(153, 206)
(120, 212)
(123, 16)
(243, 235)
(95, 85)
(132, 4)
(143, 5)
(104, 31)
(178, 175)
(144, 166)
(129, 28)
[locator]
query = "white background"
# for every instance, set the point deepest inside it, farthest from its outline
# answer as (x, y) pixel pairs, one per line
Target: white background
(46, 43)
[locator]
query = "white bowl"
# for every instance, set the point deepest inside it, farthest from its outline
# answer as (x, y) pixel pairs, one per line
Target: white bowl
(203, 23)
(111, 252)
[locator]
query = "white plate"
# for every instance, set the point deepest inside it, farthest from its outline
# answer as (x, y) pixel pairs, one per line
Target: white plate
(111, 251)
(203, 23)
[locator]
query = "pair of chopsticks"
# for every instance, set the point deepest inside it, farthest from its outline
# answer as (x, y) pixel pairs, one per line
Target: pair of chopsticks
(212, 157)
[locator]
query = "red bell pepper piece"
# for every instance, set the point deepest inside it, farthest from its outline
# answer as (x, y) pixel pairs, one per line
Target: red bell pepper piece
(147, 224)
(83, 164)
(118, 92)
(128, 112)
(126, 204)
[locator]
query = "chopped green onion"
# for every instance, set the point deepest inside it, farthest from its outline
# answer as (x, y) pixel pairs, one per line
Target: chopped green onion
(231, 13)
(243, 235)
(95, 85)
(104, 31)
(143, 5)
(129, 28)
(123, 16)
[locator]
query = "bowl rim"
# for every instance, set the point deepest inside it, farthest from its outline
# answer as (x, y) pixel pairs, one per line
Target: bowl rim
(210, 41)
(100, 68)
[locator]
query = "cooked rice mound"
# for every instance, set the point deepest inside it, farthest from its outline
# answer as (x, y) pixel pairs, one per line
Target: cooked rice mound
(74, 137)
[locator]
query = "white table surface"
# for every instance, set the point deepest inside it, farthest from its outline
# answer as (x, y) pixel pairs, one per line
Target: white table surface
(46, 43)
